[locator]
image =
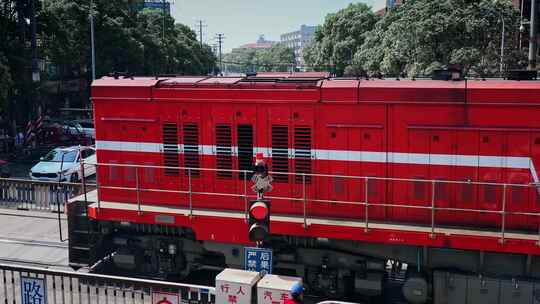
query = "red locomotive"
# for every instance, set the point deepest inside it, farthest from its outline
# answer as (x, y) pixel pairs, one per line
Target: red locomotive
(432, 173)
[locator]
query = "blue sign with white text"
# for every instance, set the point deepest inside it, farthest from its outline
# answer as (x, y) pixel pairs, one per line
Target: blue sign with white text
(158, 5)
(258, 259)
(33, 290)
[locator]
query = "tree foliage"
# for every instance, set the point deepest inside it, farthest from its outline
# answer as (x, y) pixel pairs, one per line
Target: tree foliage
(127, 39)
(422, 35)
(278, 58)
(337, 41)
(5, 81)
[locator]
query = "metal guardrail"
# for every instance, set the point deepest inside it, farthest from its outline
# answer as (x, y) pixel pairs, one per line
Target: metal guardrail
(31, 285)
(432, 188)
(335, 302)
(37, 195)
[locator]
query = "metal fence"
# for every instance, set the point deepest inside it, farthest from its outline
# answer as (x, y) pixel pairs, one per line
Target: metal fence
(364, 194)
(37, 195)
(30, 285)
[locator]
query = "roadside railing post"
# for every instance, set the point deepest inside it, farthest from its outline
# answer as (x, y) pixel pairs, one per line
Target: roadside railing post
(503, 220)
(304, 198)
(190, 194)
(245, 197)
(138, 190)
(432, 209)
(366, 205)
(83, 181)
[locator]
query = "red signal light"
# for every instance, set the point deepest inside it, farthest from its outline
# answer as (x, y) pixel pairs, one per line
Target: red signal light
(259, 220)
(259, 210)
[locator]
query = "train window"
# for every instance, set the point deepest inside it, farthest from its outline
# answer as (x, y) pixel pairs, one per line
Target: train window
(467, 193)
(130, 172)
(441, 191)
(224, 150)
(191, 148)
(419, 189)
(373, 189)
(170, 148)
(518, 194)
(114, 171)
(435, 138)
(537, 141)
(490, 193)
(245, 149)
(339, 184)
(302, 153)
(485, 139)
(149, 173)
(280, 153)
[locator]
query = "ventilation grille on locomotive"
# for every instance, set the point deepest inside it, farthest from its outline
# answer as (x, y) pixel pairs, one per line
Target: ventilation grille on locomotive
(302, 153)
(170, 148)
(191, 148)
(280, 152)
(245, 150)
(223, 151)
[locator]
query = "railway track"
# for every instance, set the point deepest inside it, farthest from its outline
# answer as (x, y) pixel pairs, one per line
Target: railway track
(48, 216)
(26, 242)
(33, 246)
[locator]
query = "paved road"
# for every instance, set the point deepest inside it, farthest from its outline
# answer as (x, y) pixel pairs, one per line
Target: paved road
(33, 238)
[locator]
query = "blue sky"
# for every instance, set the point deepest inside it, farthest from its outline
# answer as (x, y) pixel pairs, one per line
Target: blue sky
(242, 21)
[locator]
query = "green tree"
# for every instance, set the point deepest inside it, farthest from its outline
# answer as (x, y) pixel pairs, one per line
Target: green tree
(16, 88)
(337, 41)
(278, 58)
(6, 82)
(424, 35)
(127, 39)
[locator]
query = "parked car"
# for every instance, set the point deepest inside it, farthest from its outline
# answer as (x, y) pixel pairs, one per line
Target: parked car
(5, 169)
(61, 134)
(64, 164)
(87, 127)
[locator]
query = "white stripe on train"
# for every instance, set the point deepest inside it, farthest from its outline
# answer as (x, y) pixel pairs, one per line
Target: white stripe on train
(511, 162)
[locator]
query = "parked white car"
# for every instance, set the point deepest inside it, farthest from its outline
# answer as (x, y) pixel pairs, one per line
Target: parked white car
(64, 164)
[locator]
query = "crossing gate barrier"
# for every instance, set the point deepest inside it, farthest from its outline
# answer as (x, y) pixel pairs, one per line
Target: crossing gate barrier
(31, 285)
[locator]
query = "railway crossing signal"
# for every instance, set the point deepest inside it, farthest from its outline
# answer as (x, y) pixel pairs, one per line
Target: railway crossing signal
(259, 220)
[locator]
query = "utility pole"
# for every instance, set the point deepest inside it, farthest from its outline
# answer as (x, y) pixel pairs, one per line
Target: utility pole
(35, 68)
(200, 25)
(163, 34)
(92, 40)
(533, 43)
(220, 38)
(33, 43)
(501, 68)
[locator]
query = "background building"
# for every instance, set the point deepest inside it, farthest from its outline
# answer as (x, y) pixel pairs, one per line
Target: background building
(261, 43)
(297, 40)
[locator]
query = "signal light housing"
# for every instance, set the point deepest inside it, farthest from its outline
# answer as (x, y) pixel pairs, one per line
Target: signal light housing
(259, 220)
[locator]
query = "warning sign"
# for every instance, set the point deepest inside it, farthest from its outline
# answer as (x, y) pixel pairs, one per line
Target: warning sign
(159, 297)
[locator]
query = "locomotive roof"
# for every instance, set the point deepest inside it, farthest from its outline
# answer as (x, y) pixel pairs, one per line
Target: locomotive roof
(316, 87)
